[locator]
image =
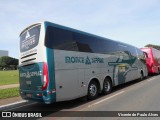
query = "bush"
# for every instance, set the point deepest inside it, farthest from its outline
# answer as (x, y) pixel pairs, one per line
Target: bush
(8, 63)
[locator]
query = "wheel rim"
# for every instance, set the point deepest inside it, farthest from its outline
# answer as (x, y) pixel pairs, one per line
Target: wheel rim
(93, 90)
(107, 86)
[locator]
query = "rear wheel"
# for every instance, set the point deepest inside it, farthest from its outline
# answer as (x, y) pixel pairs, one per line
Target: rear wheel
(107, 86)
(92, 90)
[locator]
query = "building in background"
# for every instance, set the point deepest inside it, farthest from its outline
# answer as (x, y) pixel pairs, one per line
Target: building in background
(3, 53)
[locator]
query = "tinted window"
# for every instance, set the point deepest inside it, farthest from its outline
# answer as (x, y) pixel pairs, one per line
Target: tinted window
(57, 38)
(95, 44)
(87, 43)
(60, 39)
(29, 39)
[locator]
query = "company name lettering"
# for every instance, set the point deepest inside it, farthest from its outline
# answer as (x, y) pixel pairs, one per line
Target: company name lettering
(28, 42)
(31, 74)
(84, 60)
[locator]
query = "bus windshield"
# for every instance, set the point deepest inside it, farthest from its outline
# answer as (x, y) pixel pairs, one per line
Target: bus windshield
(29, 38)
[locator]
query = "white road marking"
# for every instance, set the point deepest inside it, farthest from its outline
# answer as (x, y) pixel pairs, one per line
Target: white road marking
(151, 79)
(106, 99)
(20, 106)
(23, 101)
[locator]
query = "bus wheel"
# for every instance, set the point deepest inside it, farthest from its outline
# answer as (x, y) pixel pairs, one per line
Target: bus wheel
(107, 86)
(92, 90)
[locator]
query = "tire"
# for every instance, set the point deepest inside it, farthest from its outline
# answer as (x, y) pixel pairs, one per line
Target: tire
(107, 86)
(92, 90)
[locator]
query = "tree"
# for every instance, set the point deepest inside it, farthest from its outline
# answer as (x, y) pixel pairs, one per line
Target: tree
(6, 62)
(154, 46)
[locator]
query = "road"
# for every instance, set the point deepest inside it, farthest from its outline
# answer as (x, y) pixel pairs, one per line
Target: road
(133, 96)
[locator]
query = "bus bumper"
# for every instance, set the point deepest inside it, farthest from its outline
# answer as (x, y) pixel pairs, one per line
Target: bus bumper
(46, 97)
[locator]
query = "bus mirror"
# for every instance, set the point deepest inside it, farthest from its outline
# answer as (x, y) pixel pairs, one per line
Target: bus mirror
(145, 55)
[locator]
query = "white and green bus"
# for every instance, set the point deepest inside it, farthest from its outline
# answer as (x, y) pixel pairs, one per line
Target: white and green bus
(58, 63)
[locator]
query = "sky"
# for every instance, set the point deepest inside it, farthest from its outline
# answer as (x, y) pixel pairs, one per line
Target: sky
(136, 22)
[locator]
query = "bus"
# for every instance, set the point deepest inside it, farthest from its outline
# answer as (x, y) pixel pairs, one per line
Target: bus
(152, 60)
(58, 63)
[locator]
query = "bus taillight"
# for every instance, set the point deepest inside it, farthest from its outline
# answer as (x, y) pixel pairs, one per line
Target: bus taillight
(45, 76)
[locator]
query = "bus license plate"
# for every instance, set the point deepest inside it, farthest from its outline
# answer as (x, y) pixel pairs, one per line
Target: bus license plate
(29, 95)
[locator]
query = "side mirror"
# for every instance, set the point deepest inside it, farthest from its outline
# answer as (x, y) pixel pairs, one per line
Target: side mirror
(145, 55)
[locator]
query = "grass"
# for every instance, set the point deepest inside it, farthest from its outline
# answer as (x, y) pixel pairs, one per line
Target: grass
(9, 92)
(9, 77)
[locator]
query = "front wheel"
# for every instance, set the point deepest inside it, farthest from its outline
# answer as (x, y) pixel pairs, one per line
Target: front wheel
(107, 86)
(92, 90)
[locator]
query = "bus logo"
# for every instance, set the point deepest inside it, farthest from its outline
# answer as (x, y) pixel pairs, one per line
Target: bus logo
(88, 62)
(27, 35)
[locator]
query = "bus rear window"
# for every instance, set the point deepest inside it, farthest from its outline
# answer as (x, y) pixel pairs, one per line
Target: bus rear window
(29, 39)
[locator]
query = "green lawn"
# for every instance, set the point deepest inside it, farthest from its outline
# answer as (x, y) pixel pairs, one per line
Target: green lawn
(9, 77)
(9, 92)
